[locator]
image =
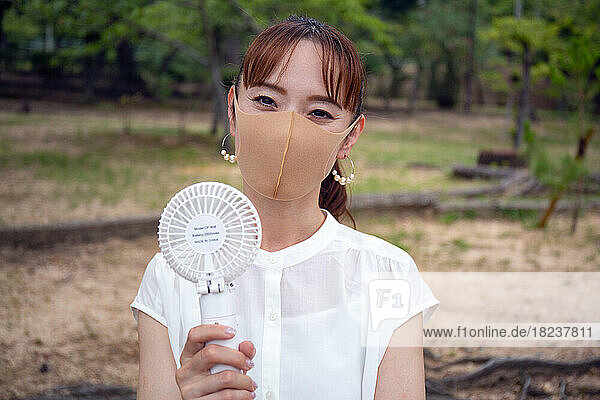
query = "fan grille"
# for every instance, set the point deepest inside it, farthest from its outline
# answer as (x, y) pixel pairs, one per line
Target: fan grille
(209, 230)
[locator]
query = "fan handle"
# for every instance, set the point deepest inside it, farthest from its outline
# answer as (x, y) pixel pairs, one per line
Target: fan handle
(219, 308)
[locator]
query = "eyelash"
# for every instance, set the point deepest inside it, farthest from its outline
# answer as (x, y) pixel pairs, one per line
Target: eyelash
(259, 99)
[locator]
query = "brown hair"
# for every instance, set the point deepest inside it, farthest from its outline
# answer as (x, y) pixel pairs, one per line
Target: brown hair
(343, 74)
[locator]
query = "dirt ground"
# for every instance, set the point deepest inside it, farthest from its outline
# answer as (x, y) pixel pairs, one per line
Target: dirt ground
(65, 310)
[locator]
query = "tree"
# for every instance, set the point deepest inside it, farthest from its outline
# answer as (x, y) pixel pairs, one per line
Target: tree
(576, 70)
(526, 37)
(437, 35)
(470, 72)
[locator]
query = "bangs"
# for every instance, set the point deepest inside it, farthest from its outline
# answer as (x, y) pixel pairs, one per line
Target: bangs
(342, 70)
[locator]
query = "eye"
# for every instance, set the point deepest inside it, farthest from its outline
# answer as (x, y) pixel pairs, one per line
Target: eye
(321, 114)
(264, 100)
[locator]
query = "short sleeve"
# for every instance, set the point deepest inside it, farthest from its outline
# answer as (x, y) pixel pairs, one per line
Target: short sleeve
(148, 298)
(421, 299)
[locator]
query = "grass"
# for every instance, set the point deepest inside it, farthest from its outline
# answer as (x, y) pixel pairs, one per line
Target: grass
(394, 148)
(460, 243)
(522, 215)
(449, 217)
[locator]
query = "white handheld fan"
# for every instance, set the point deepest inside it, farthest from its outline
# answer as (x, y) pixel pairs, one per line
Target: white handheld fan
(209, 233)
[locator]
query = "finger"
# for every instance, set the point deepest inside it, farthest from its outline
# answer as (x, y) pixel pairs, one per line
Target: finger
(247, 347)
(213, 354)
(203, 386)
(198, 336)
(231, 394)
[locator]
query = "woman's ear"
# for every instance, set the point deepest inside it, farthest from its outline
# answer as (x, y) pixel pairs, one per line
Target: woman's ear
(230, 110)
(352, 137)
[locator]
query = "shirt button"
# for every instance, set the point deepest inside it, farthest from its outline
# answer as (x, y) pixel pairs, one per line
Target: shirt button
(269, 395)
(273, 260)
(273, 316)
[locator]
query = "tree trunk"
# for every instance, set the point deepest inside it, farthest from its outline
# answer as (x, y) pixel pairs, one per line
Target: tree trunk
(166, 62)
(434, 84)
(215, 71)
(470, 72)
(129, 78)
(448, 93)
(4, 6)
(524, 96)
(480, 92)
(397, 78)
(92, 64)
(416, 88)
(518, 8)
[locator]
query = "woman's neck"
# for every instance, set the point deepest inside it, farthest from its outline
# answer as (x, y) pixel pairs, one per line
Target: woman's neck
(285, 223)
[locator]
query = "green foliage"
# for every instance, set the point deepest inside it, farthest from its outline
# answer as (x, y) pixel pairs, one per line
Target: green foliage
(557, 174)
(96, 27)
(514, 34)
(392, 37)
(575, 71)
(374, 37)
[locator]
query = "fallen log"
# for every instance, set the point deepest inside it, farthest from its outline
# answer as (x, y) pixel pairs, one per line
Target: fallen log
(591, 183)
(499, 205)
(81, 231)
(424, 199)
(482, 172)
(509, 157)
(515, 364)
(458, 362)
(86, 391)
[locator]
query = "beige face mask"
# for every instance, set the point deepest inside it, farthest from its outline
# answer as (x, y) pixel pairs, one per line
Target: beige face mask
(283, 155)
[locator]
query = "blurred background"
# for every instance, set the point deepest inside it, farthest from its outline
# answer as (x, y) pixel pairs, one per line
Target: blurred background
(480, 153)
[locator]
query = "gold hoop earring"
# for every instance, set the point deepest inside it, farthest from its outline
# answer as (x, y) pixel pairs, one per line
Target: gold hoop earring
(342, 180)
(226, 156)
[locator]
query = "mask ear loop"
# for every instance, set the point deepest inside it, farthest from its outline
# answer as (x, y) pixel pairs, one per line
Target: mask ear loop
(342, 180)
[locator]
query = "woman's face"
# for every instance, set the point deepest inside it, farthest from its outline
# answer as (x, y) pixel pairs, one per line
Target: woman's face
(300, 89)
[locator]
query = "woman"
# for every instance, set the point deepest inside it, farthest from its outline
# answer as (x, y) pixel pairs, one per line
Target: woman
(294, 110)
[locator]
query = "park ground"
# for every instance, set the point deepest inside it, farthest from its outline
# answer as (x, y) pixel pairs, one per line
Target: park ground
(65, 309)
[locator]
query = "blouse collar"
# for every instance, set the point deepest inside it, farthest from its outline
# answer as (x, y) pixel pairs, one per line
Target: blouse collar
(303, 250)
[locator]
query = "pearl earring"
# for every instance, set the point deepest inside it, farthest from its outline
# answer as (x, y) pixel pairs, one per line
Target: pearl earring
(226, 156)
(342, 180)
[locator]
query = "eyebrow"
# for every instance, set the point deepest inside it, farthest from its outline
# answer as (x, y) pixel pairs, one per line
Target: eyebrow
(281, 90)
(324, 99)
(274, 87)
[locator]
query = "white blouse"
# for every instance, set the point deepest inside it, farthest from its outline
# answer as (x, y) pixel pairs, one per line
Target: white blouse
(301, 308)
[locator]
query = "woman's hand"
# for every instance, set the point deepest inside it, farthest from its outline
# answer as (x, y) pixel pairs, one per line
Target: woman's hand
(194, 378)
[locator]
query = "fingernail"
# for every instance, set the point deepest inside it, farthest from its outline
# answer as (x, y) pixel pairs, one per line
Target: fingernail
(254, 384)
(249, 363)
(230, 331)
(253, 394)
